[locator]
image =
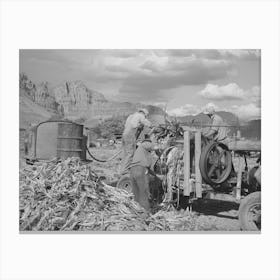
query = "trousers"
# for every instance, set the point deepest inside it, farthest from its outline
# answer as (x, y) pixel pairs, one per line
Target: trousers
(129, 147)
(140, 186)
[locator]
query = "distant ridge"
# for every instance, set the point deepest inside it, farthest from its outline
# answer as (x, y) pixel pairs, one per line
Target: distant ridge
(74, 101)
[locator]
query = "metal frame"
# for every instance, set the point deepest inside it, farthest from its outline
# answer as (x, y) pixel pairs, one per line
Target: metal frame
(197, 188)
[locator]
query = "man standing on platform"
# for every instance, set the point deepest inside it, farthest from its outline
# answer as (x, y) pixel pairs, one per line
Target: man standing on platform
(218, 130)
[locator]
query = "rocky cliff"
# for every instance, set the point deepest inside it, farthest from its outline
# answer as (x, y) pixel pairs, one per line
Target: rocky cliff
(73, 100)
(77, 101)
(31, 112)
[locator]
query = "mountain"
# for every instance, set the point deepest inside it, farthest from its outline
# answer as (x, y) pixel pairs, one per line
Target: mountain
(31, 112)
(203, 120)
(251, 130)
(74, 101)
(77, 101)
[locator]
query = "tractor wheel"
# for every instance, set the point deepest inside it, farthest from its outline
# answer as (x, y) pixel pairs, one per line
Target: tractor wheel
(215, 163)
(125, 183)
(250, 212)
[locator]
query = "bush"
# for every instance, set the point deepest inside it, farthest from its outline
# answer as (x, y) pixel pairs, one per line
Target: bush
(108, 128)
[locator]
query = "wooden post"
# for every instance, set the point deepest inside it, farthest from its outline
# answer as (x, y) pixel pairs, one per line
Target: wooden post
(88, 136)
(198, 179)
(239, 178)
(187, 185)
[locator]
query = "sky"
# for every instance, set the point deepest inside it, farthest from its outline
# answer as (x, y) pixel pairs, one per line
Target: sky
(183, 81)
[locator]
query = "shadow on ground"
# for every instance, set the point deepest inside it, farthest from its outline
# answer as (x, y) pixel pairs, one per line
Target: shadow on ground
(218, 208)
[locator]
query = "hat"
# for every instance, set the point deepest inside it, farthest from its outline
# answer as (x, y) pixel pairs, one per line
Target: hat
(144, 110)
(209, 109)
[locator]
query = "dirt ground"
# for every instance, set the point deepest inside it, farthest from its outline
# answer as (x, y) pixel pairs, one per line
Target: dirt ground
(213, 215)
(210, 215)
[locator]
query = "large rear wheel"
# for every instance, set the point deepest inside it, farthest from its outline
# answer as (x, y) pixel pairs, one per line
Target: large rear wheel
(250, 212)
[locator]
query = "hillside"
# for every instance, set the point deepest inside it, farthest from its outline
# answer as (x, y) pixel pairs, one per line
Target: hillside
(252, 130)
(30, 112)
(202, 119)
(249, 130)
(73, 100)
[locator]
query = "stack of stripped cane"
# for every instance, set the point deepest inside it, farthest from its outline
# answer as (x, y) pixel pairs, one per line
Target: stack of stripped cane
(69, 195)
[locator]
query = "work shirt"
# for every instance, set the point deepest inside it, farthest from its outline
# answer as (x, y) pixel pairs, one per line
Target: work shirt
(143, 156)
(135, 121)
(217, 129)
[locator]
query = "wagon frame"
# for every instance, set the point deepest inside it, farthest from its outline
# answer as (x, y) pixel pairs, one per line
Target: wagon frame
(196, 189)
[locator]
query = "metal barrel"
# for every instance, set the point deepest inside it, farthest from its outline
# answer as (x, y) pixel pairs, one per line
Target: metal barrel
(70, 141)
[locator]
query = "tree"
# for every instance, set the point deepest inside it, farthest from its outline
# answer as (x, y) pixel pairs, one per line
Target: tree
(109, 127)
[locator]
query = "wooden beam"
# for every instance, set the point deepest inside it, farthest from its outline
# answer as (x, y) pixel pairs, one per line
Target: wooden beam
(187, 185)
(239, 178)
(198, 179)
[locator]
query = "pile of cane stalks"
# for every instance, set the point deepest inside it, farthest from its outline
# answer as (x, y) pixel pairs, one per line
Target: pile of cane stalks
(67, 195)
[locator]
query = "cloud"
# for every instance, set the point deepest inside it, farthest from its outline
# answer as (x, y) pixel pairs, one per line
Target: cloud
(137, 75)
(244, 112)
(157, 75)
(246, 54)
(231, 92)
(254, 95)
(190, 109)
(215, 92)
(142, 74)
(161, 105)
(187, 109)
(249, 54)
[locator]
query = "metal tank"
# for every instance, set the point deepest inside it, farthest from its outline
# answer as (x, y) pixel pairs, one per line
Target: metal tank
(61, 139)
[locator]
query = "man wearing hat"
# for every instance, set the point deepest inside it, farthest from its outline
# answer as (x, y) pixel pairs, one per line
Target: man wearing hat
(217, 131)
(141, 170)
(133, 127)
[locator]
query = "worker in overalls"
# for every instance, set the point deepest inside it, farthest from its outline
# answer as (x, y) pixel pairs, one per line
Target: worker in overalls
(141, 171)
(133, 127)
